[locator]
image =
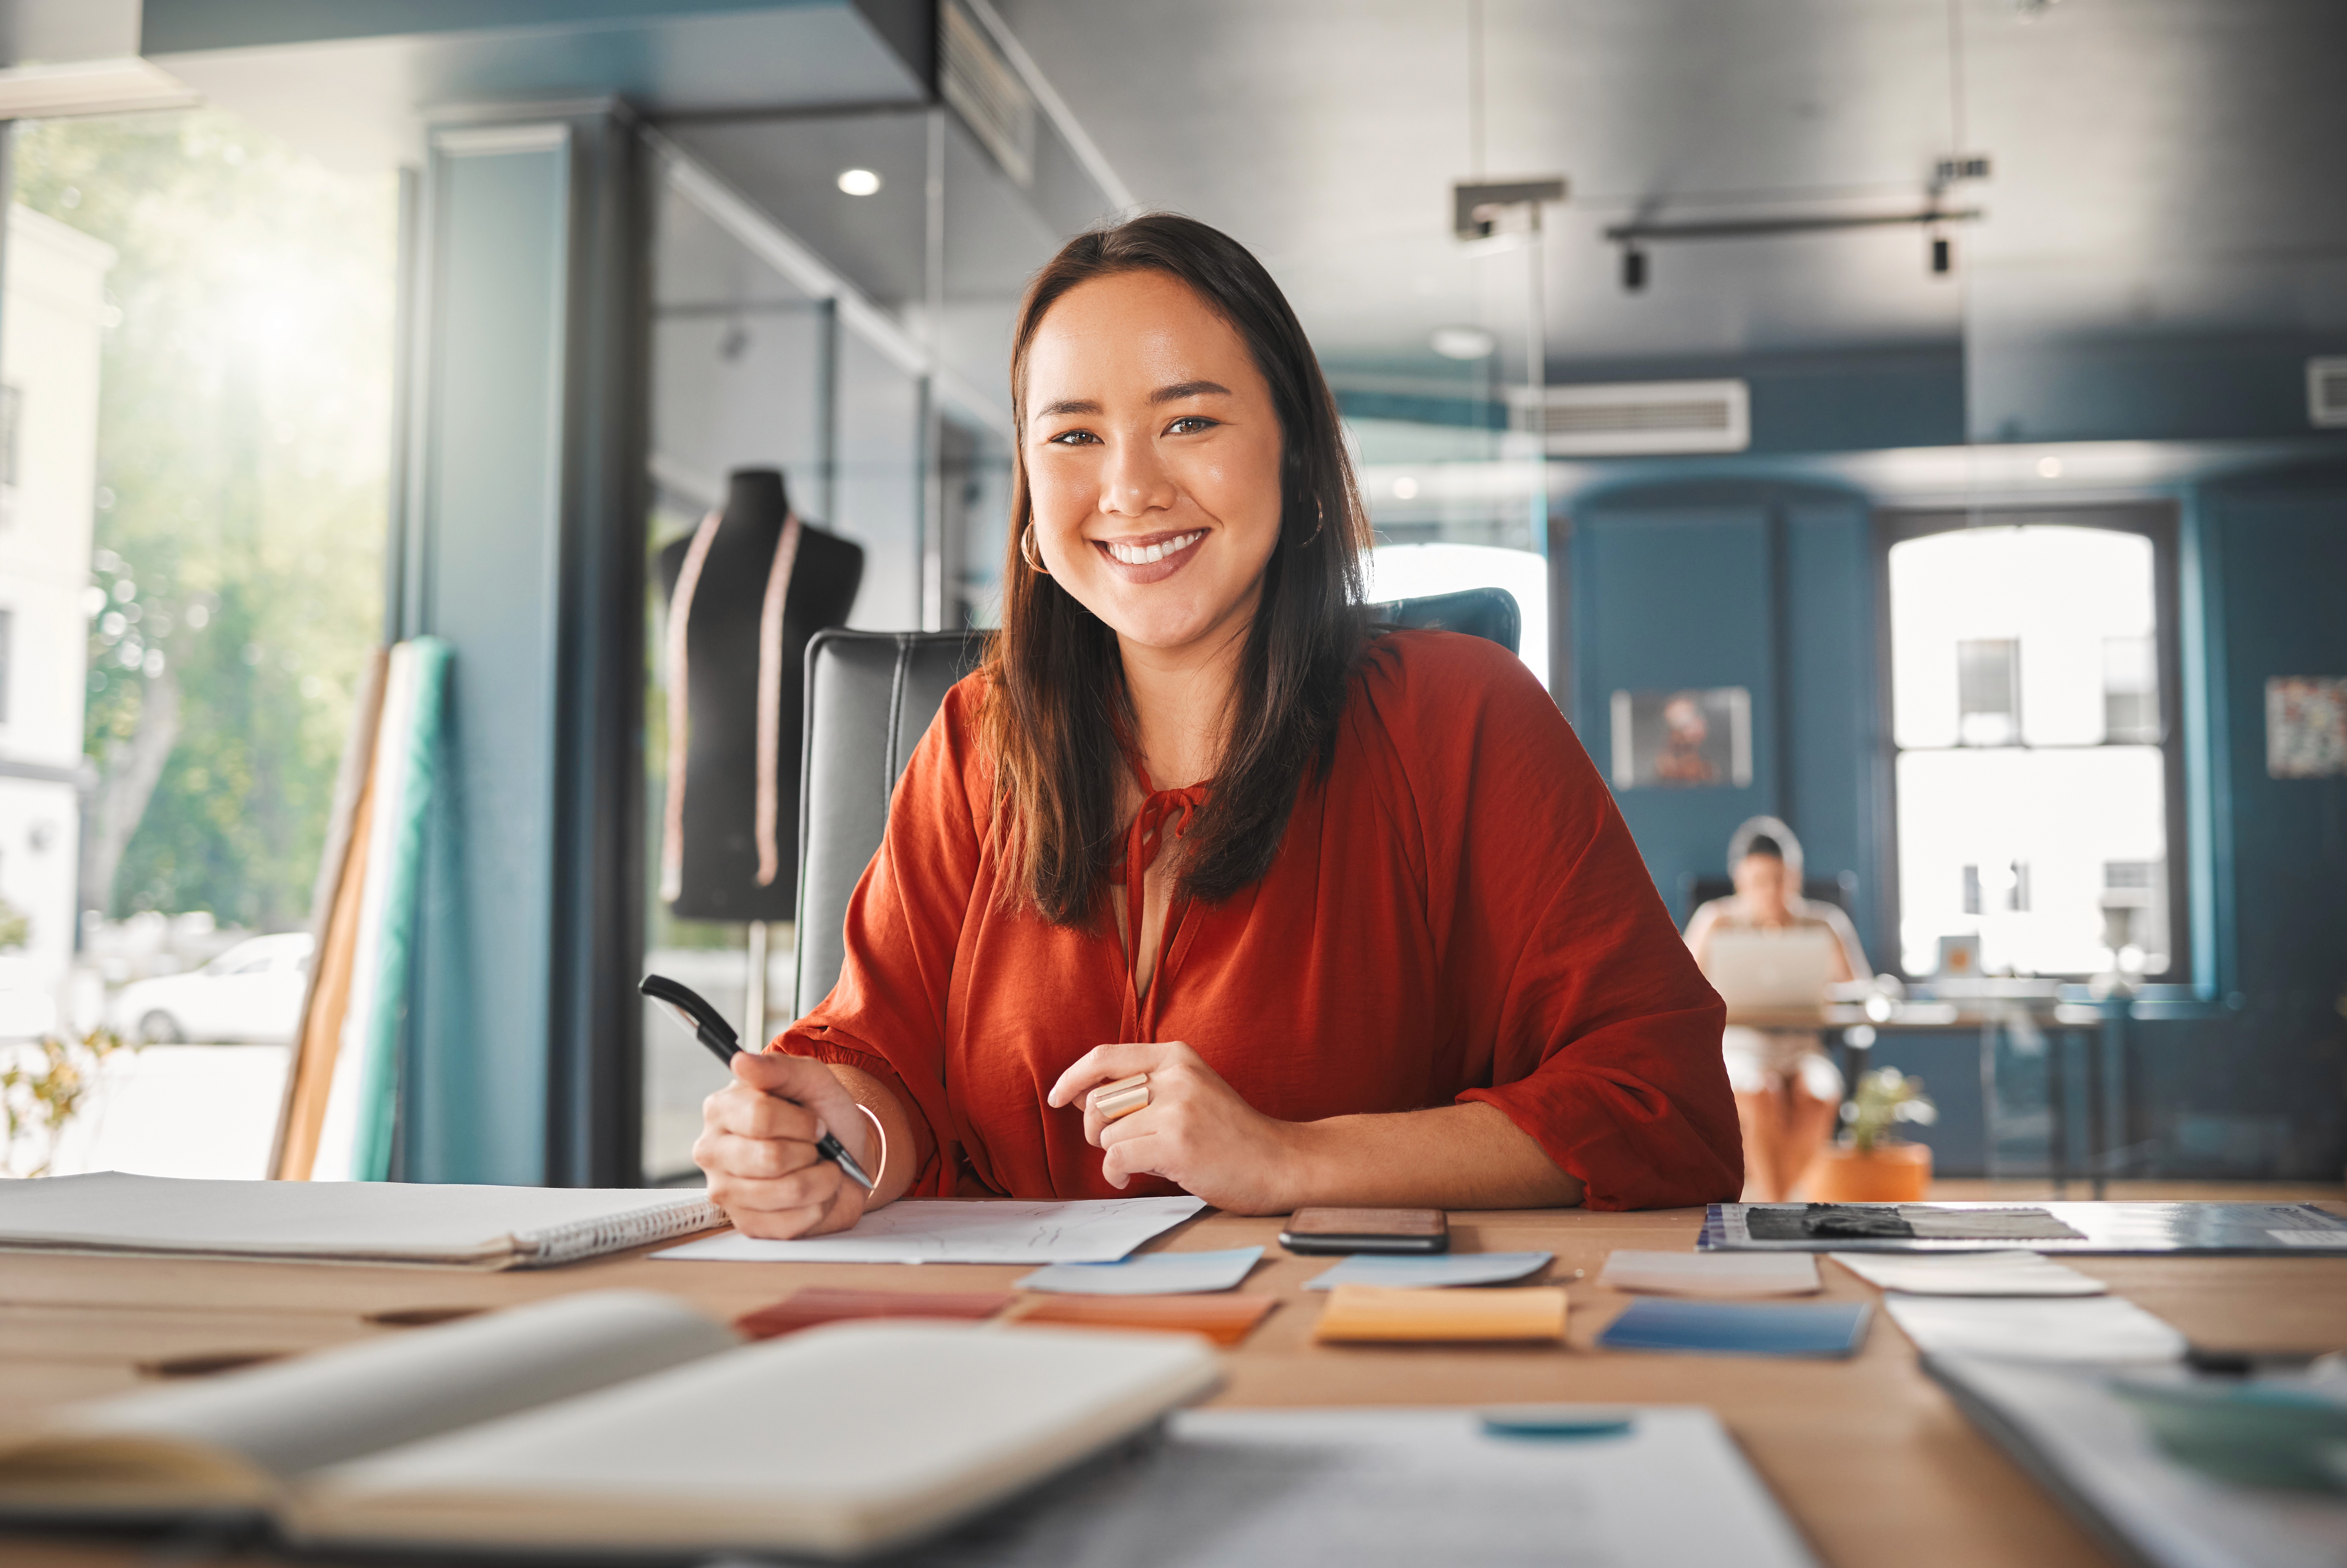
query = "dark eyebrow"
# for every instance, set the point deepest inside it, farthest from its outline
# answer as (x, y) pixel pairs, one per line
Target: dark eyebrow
(1181, 389)
(1067, 405)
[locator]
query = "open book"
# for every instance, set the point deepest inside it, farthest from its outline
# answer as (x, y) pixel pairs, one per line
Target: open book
(614, 1422)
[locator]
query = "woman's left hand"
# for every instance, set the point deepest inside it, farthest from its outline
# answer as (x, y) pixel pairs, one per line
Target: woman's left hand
(1195, 1131)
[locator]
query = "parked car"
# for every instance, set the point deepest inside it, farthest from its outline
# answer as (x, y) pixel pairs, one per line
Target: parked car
(250, 995)
(28, 1010)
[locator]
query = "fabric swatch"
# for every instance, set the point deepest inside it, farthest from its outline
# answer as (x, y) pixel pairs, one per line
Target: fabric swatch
(1968, 1273)
(1368, 1313)
(1713, 1272)
(1149, 1274)
(830, 1304)
(2109, 1329)
(1224, 1319)
(1832, 1328)
(1431, 1273)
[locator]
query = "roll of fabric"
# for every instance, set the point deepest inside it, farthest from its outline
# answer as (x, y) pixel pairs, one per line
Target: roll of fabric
(356, 1142)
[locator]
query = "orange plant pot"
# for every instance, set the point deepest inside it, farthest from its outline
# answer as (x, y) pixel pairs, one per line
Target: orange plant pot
(1887, 1174)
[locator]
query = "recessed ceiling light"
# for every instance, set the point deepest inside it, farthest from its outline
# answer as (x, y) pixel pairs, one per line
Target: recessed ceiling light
(1405, 488)
(2049, 467)
(858, 182)
(1464, 343)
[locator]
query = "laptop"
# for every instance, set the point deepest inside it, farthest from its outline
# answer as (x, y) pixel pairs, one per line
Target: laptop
(1763, 971)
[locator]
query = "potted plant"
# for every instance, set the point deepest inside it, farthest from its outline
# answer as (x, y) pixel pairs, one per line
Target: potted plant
(42, 1084)
(1871, 1164)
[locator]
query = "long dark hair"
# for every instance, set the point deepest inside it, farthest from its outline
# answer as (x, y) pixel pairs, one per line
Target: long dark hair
(1055, 694)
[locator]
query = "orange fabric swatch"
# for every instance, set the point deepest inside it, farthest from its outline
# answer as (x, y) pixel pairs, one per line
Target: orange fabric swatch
(829, 1304)
(1224, 1319)
(1357, 1313)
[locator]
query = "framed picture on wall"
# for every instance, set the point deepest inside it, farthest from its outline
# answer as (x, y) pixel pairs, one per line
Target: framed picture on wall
(1694, 738)
(2306, 726)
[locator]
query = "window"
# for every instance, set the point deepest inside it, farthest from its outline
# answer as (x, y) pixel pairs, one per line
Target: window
(195, 444)
(12, 399)
(2032, 737)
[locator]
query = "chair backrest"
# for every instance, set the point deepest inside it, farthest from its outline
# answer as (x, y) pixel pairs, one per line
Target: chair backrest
(870, 696)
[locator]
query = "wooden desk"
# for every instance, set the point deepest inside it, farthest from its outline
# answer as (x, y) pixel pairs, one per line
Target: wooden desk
(1869, 1458)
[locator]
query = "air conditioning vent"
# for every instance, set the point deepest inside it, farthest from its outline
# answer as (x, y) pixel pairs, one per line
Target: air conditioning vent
(1628, 418)
(2326, 391)
(987, 92)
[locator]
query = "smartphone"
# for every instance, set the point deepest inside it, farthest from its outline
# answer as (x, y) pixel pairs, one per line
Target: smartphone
(1406, 1231)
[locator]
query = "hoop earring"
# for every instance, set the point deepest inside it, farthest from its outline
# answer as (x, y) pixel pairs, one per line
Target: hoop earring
(1026, 546)
(1314, 534)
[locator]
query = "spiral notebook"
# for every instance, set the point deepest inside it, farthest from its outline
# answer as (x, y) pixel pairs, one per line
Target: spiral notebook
(342, 1222)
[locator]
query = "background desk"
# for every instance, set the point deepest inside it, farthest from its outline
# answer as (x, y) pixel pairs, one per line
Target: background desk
(1868, 1456)
(2093, 1033)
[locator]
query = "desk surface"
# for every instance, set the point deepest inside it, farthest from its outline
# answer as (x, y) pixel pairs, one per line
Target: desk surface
(1868, 1457)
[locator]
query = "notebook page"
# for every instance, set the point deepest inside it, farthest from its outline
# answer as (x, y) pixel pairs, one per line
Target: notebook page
(999, 1230)
(838, 1439)
(291, 1417)
(389, 1222)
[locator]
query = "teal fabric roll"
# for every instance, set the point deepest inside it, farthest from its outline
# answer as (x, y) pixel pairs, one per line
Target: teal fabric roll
(407, 758)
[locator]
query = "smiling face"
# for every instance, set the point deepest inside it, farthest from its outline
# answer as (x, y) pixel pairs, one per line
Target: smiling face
(1153, 454)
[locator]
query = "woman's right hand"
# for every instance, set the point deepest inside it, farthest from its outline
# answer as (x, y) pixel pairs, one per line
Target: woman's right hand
(758, 1144)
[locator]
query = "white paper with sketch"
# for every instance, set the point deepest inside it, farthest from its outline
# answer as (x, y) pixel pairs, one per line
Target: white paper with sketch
(2108, 1329)
(993, 1230)
(1969, 1274)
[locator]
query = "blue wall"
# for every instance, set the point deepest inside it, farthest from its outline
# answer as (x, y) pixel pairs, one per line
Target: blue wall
(1747, 580)
(1753, 583)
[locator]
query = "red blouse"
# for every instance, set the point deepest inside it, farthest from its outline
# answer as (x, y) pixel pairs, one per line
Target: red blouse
(1456, 913)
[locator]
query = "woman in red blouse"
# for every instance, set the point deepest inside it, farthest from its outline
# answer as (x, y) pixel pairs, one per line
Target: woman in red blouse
(1353, 900)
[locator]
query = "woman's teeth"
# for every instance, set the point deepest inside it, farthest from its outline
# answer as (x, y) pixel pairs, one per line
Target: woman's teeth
(1132, 557)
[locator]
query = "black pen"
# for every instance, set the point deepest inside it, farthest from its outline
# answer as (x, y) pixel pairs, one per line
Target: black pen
(692, 1010)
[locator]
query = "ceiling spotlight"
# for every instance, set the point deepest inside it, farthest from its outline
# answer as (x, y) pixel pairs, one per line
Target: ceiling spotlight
(1634, 269)
(1405, 488)
(1464, 343)
(2049, 467)
(858, 182)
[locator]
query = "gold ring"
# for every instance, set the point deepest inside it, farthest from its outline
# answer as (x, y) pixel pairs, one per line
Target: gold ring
(1122, 1098)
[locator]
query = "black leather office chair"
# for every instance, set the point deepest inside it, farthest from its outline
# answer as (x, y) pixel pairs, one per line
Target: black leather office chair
(870, 696)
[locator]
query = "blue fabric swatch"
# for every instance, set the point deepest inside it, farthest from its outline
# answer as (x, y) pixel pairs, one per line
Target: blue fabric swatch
(1738, 1328)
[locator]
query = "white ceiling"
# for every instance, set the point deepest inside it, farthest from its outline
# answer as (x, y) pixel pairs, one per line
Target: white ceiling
(2157, 163)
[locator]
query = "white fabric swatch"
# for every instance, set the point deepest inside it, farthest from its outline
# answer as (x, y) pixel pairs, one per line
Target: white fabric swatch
(1969, 1274)
(2108, 1329)
(1713, 1272)
(1426, 1273)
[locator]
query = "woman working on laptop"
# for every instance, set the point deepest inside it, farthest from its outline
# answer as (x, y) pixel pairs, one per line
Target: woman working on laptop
(1346, 914)
(1788, 1095)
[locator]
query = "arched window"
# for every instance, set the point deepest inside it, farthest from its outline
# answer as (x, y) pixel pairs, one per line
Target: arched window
(2032, 744)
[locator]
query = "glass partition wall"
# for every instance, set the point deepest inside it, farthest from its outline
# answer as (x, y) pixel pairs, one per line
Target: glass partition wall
(831, 298)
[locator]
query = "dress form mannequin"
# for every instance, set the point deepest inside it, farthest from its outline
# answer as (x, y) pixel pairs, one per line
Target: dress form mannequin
(723, 856)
